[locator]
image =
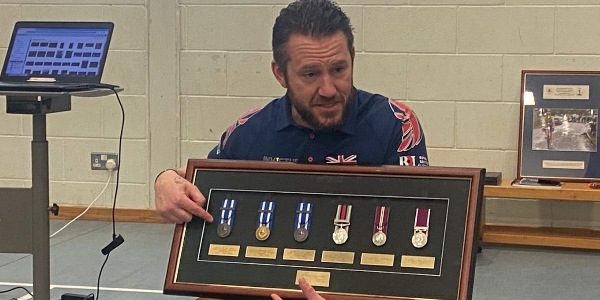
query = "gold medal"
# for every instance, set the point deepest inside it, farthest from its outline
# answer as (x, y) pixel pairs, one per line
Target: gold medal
(262, 232)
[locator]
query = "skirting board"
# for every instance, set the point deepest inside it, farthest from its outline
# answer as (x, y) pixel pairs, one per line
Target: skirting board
(105, 214)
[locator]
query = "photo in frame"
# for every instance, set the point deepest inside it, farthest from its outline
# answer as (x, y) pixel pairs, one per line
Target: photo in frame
(354, 232)
(558, 125)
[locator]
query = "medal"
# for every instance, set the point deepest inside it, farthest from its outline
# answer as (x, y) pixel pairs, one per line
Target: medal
(379, 238)
(380, 225)
(265, 220)
(262, 232)
(223, 230)
(302, 224)
(421, 228)
(300, 234)
(340, 235)
(226, 217)
(342, 224)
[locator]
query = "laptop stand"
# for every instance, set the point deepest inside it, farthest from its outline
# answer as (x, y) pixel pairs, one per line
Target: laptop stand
(24, 212)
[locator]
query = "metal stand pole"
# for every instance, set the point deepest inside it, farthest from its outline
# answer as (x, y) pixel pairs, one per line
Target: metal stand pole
(41, 219)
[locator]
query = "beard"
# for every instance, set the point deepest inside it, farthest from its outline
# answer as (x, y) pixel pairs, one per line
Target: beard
(316, 122)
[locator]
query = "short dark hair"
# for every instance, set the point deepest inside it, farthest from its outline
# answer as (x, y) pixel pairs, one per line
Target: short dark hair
(313, 18)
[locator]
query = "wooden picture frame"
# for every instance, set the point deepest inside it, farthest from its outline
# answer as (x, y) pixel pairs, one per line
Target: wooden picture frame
(558, 125)
(238, 265)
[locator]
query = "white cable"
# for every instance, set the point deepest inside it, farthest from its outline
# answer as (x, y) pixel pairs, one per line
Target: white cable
(89, 206)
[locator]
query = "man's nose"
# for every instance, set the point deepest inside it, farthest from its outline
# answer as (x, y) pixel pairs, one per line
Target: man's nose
(327, 88)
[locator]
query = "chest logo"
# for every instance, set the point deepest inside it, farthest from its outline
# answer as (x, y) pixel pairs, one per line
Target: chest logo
(342, 159)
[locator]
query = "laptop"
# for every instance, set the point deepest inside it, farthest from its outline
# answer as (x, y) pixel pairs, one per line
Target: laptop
(56, 56)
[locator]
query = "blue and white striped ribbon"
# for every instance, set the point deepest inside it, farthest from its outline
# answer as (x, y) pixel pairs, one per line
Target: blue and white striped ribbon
(303, 215)
(227, 212)
(267, 209)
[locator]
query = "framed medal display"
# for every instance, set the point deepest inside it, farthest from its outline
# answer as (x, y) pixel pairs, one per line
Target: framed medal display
(353, 232)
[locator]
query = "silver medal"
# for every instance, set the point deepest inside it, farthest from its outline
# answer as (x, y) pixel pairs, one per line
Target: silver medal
(379, 238)
(340, 235)
(223, 230)
(419, 239)
(300, 234)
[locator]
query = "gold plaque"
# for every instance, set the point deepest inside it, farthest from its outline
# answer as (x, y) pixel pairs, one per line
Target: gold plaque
(337, 257)
(224, 250)
(299, 254)
(421, 262)
(261, 252)
(314, 278)
(376, 259)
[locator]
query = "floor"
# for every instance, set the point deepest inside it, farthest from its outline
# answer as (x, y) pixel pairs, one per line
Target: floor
(136, 270)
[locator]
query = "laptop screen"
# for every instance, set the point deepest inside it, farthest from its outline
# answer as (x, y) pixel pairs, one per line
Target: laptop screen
(62, 51)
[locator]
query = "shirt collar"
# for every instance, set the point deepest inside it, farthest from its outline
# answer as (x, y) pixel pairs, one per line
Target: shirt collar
(284, 114)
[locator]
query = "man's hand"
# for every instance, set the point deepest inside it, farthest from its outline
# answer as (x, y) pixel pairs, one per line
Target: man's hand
(308, 291)
(177, 200)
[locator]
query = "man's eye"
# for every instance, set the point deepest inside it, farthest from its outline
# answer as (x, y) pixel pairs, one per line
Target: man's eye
(310, 74)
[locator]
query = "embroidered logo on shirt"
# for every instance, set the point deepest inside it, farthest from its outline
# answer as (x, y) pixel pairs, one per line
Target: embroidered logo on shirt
(341, 159)
(412, 160)
(411, 131)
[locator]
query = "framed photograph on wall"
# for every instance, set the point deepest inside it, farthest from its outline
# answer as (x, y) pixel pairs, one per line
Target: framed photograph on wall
(558, 126)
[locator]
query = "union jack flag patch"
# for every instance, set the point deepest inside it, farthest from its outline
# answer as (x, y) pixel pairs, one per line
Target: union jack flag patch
(341, 159)
(411, 131)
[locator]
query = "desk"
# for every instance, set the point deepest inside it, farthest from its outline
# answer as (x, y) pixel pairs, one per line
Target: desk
(544, 236)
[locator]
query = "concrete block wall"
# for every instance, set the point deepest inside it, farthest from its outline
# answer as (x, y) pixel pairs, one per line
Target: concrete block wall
(191, 67)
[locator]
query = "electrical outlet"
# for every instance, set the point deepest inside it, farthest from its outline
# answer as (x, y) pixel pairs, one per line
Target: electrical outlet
(99, 160)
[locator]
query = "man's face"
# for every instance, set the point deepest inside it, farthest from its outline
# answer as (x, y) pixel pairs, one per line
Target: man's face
(318, 80)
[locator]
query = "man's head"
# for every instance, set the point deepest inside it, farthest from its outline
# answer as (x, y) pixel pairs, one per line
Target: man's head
(313, 18)
(313, 58)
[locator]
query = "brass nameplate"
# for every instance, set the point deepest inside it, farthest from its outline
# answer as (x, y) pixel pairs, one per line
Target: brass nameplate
(375, 259)
(224, 250)
(337, 257)
(299, 254)
(261, 252)
(314, 278)
(421, 262)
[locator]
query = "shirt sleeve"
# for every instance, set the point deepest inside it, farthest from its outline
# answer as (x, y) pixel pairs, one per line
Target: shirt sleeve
(407, 146)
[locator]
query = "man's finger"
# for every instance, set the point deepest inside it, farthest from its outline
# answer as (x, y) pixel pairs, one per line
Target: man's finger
(200, 201)
(308, 290)
(195, 209)
(275, 297)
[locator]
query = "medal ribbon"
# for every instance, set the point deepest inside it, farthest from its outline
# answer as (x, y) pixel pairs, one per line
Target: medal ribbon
(381, 219)
(266, 213)
(303, 215)
(422, 219)
(342, 217)
(227, 212)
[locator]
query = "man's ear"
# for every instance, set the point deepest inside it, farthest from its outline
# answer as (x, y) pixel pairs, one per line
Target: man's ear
(279, 75)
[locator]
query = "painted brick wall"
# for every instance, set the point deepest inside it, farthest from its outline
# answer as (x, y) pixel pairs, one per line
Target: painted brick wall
(457, 63)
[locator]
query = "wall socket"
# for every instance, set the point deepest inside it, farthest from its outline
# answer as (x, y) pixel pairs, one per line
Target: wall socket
(99, 160)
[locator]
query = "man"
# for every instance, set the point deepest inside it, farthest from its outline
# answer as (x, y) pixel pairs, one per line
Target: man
(321, 119)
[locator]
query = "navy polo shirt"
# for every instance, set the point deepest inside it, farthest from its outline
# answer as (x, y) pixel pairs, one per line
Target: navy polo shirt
(376, 131)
